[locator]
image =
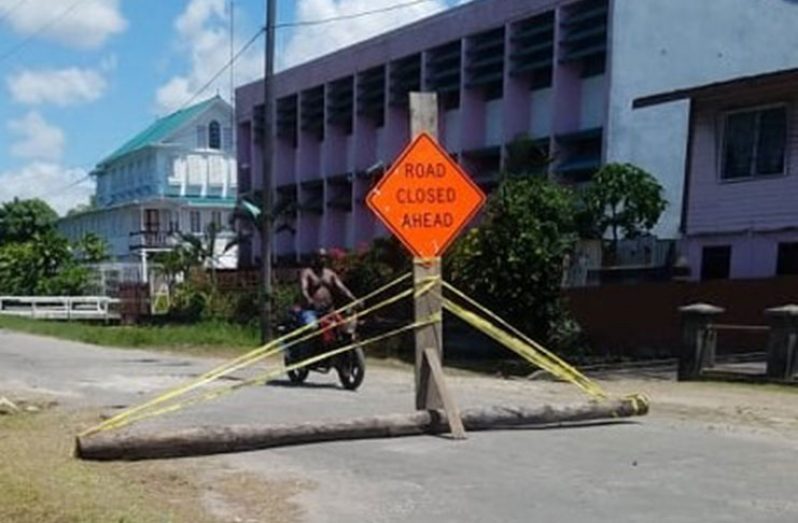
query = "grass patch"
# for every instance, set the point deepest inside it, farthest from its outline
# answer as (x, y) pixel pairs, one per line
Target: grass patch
(40, 482)
(200, 338)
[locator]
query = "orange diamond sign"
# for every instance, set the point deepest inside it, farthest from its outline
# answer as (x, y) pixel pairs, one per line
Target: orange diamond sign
(425, 199)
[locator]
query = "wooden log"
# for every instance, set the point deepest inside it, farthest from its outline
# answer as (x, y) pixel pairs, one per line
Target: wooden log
(237, 438)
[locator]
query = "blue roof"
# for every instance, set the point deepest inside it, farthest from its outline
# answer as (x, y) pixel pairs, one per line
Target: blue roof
(161, 129)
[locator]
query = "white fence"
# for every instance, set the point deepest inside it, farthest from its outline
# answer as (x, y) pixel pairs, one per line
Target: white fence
(60, 307)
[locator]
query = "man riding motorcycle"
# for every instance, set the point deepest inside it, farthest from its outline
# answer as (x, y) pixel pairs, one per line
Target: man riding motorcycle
(320, 286)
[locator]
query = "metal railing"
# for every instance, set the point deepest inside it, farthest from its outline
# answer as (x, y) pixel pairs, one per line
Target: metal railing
(159, 239)
(60, 307)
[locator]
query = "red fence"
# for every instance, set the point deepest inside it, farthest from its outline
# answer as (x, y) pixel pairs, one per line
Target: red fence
(232, 280)
(643, 320)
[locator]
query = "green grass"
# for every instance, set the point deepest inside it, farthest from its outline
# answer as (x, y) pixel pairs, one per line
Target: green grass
(199, 338)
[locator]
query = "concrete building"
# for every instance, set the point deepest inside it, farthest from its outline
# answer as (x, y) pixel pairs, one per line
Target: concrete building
(564, 72)
(741, 182)
(176, 176)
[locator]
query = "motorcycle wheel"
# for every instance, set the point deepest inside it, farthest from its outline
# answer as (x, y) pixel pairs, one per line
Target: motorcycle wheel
(296, 376)
(352, 368)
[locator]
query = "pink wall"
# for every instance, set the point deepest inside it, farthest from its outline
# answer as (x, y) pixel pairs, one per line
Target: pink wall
(753, 215)
(313, 160)
(734, 206)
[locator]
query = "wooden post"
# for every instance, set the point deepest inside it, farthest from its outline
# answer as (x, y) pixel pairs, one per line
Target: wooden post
(431, 390)
(430, 336)
(424, 118)
(199, 441)
(432, 366)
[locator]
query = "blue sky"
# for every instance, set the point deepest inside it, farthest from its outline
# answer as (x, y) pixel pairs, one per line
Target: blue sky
(79, 77)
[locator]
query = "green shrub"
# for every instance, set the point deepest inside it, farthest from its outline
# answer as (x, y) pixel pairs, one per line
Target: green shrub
(513, 261)
(197, 299)
(43, 265)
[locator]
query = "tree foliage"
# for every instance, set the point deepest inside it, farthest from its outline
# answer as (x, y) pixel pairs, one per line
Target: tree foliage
(371, 266)
(192, 252)
(624, 200)
(525, 156)
(35, 259)
(91, 249)
(21, 220)
(513, 261)
(43, 265)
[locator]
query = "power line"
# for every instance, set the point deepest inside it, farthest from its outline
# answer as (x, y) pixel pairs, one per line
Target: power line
(41, 29)
(86, 177)
(352, 16)
(221, 71)
(11, 10)
(304, 23)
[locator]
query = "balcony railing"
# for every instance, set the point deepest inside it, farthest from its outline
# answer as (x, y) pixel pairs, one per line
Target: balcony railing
(169, 239)
(154, 239)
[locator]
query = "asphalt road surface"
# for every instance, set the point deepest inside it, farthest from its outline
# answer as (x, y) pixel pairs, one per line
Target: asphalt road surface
(709, 453)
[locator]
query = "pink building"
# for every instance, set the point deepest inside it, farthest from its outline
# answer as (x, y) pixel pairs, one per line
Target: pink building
(563, 72)
(494, 67)
(740, 215)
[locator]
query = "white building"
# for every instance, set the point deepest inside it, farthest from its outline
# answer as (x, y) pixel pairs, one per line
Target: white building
(176, 177)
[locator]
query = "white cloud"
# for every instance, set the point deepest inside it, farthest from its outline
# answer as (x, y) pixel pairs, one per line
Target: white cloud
(62, 187)
(36, 138)
(62, 87)
(203, 38)
(85, 25)
(304, 42)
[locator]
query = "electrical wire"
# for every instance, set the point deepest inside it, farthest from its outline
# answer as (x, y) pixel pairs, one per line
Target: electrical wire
(11, 10)
(68, 187)
(221, 71)
(41, 29)
(302, 23)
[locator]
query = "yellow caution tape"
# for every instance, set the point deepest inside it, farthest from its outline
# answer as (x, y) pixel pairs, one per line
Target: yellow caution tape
(640, 402)
(268, 350)
(264, 378)
(521, 344)
(504, 333)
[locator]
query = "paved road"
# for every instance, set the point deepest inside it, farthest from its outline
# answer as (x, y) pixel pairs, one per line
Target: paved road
(673, 466)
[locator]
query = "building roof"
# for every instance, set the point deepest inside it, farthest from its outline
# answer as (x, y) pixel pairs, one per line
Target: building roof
(161, 129)
(719, 88)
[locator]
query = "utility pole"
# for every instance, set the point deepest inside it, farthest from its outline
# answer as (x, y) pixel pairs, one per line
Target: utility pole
(268, 156)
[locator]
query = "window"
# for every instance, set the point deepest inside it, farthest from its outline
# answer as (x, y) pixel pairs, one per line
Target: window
(202, 141)
(196, 222)
(214, 135)
(754, 143)
(716, 263)
(787, 263)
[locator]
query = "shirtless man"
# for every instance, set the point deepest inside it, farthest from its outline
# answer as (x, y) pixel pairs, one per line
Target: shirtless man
(320, 284)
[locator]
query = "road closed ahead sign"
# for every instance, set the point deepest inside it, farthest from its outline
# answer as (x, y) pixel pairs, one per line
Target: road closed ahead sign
(425, 199)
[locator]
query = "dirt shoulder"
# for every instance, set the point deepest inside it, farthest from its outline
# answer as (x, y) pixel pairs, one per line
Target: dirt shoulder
(765, 409)
(40, 480)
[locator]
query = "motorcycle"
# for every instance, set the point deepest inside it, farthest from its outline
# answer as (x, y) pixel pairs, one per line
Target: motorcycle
(350, 365)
